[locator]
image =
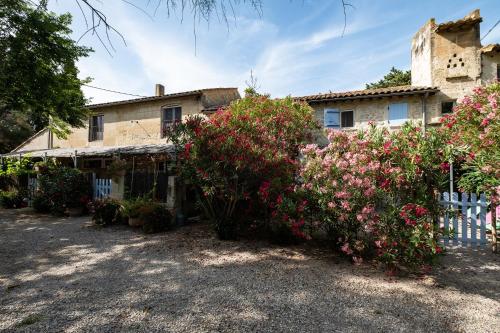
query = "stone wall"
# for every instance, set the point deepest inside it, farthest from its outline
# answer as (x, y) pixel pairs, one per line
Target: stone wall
(377, 109)
(421, 64)
(134, 123)
(456, 62)
(489, 67)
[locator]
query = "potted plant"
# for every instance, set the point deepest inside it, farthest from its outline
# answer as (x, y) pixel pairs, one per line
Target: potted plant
(133, 211)
(107, 211)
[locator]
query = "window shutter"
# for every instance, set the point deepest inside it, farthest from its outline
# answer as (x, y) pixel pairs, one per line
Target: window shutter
(178, 114)
(332, 118)
(398, 113)
(90, 128)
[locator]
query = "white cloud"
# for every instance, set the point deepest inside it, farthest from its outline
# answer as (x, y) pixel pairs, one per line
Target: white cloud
(294, 59)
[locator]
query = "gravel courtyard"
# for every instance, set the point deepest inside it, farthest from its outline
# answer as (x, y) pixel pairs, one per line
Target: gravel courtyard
(65, 275)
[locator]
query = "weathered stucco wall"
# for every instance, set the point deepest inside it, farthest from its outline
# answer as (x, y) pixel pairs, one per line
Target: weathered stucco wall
(376, 110)
(36, 142)
(421, 64)
(489, 69)
(130, 124)
(135, 123)
(456, 61)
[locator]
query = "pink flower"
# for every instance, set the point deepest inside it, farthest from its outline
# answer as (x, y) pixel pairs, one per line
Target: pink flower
(345, 205)
(346, 249)
(445, 166)
(357, 260)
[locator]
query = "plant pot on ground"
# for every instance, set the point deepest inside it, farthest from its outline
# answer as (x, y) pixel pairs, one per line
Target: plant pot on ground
(132, 211)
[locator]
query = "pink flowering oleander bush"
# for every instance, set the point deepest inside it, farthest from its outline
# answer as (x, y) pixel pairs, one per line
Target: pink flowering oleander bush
(241, 158)
(360, 185)
(474, 129)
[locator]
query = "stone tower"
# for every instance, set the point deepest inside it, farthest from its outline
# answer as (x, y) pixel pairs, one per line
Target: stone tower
(448, 56)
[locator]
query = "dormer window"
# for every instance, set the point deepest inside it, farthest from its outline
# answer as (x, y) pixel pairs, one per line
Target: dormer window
(96, 128)
(170, 115)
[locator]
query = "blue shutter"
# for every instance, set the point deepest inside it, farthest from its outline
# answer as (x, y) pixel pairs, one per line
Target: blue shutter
(398, 113)
(332, 118)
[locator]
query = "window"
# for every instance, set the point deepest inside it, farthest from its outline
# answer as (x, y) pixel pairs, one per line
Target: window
(96, 128)
(347, 118)
(170, 116)
(447, 107)
(335, 118)
(398, 113)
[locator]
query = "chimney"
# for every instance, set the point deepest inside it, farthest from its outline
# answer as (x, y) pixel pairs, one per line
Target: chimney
(159, 90)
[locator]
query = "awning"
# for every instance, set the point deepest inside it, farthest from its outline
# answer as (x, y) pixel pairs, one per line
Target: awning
(98, 151)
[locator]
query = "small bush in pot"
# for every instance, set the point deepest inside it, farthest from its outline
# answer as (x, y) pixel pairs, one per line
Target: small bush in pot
(108, 211)
(156, 218)
(132, 210)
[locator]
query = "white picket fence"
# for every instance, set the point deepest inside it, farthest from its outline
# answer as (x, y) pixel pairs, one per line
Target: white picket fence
(102, 188)
(464, 219)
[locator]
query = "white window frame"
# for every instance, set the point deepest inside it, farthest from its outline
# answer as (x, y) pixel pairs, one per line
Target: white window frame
(339, 112)
(95, 136)
(163, 123)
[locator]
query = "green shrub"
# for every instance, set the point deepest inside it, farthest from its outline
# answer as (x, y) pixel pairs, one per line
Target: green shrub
(156, 218)
(132, 206)
(41, 204)
(11, 199)
(63, 188)
(107, 212)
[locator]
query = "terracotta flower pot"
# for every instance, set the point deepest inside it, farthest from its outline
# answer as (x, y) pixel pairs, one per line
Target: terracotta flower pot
(135, 222)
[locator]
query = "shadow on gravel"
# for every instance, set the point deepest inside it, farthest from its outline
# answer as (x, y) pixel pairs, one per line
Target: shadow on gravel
(471, 271)
(74, 277)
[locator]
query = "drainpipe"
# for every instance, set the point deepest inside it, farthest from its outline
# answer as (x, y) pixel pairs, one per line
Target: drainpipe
(424, 111)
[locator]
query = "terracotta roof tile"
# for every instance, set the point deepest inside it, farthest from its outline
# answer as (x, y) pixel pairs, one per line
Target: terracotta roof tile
(469, 20)
(154, 98)
(490, 48)
(369, 93)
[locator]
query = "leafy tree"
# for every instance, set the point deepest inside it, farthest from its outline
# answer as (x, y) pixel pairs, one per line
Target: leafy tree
(39, 85)
(395, 77)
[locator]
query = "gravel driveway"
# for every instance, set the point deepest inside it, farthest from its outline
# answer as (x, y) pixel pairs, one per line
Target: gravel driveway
(64, 275)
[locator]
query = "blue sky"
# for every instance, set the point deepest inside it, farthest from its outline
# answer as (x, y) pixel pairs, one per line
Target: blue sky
(295, 48)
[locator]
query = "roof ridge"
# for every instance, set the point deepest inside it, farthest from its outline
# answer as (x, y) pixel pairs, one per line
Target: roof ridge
(393, 89)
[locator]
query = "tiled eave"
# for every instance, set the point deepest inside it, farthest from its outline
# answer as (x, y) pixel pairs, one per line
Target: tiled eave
(369, 94)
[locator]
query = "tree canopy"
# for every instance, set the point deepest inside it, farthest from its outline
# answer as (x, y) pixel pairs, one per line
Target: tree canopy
(39, 85)
(395, 77)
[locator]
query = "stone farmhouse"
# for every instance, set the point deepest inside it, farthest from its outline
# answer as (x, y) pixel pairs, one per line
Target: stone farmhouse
(447, 62)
